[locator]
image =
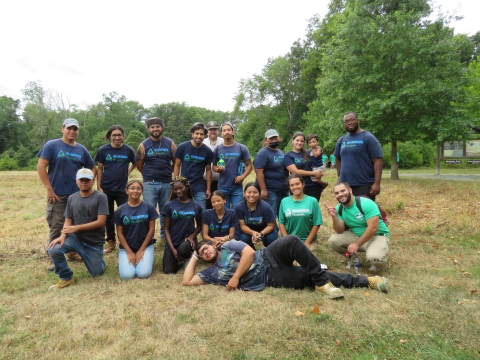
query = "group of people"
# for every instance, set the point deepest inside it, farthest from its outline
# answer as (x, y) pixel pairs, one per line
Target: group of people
(206, 196)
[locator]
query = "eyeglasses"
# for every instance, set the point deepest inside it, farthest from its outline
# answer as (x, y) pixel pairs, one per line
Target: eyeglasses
(135, 188)
(350, 121)
(117, 135)
(202, 251)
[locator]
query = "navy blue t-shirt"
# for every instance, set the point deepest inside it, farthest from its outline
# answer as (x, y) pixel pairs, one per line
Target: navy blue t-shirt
(216, 229)
(158, 160)
(182, 219)
(315, 162)
(271, 161)
(301, 163)
(115, 166)
(194, 161)
(232, 155)
(356, 152)
(63, 163)
(256, 220)
(135, 222)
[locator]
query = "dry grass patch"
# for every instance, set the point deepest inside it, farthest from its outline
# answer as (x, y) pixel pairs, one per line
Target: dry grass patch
(429, 312)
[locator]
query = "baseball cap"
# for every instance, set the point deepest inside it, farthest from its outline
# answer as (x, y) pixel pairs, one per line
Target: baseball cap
(212, 125)
(70, 122)
(271, 133)
(85, 174)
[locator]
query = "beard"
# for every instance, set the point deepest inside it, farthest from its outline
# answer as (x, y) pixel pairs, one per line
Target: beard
(347, 200)
(353, 130)
(155, 136)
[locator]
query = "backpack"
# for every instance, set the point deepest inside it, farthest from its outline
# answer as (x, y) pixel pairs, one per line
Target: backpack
(383, 215)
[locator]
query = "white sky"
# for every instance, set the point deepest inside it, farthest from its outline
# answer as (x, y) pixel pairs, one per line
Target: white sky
(156, 51)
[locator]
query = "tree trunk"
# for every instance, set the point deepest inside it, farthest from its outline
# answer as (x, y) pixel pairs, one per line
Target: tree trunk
(394, 170)
(437, 160)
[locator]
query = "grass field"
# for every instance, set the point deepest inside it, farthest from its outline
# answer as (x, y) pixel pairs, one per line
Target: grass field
(431, 311)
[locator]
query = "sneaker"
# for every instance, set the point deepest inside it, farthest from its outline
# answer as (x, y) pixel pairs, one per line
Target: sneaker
(61, 284)
(377, 282)
(74, 256)
(110, 246)
(331, 291)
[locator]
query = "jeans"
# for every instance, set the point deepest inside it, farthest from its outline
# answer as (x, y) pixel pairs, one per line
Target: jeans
(92, 256)
(155, 192)
(247, 239)
(274, 199)
(142, 270)
(170, 263)
(201, 198)
(281, 272)
(55, 217)
(234, 196)
(120, 197)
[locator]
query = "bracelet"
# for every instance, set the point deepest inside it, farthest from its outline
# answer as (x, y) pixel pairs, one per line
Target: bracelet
(195, 256)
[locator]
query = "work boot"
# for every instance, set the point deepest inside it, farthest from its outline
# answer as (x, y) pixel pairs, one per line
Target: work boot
(110, 246)
(331, 291)
(61, 284)
(377, 283)
(50, 266)
(74, 256)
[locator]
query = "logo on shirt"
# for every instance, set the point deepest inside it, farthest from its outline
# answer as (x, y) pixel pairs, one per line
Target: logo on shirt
(134, 219)
(158, 151)
(296, 212)
(69, 155)
(253, 220)
(116, 157)
(351, 143)
(186, 157)
(299, 161)
(193, 158)
(174, 214)
(212, 227)
(126, 220)
(359, 216)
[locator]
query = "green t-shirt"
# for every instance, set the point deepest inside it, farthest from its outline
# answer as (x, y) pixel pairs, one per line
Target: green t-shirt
(357, 222)
(300, 216)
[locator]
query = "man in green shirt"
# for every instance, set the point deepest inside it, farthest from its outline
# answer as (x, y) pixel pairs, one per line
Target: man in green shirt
(366, 230)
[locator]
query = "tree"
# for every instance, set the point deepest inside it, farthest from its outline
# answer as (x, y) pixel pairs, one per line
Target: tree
(12, 129)
(401, 73)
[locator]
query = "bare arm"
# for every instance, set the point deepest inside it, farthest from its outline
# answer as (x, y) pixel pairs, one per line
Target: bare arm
(94, 170)
(189, 277)
(312, 235)
(176, 167)
(208, 178)
(131, 167)
(140, 157)
(248, 169)
(377, 168)
(338, 225)
(294, 170)
(370, 231)
(261, 182)
(123, 242)
(61, 239)
(246, 260)
(338, 166)
(283, 229)
(42, 173)
(99, 177)
(101, 220)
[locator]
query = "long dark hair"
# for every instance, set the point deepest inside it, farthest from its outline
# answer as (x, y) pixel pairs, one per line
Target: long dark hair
(303, 152)
(111, 129)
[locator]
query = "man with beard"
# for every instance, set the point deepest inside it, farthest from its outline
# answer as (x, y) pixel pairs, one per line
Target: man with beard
(155, 156)
(358, 228)
(232, 160)
(195, 158)
(359, 158)
(237, 266)
(271, 174)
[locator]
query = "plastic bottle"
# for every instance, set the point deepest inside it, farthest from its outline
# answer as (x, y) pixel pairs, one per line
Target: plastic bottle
(221, 162)
(357, 265)
(241, 168)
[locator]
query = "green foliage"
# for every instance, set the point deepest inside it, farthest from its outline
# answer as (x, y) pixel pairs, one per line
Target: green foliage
(412, 154)
(23, 156)
(11, 127)
(7, 163)
(134, 138)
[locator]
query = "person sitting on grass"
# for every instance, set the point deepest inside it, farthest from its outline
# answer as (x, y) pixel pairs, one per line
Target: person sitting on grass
(299, 213)
(366, 232)
(182, 218)
(237, 266)
(219, 223)
(83, 230)
(256, 218)
(135, 221)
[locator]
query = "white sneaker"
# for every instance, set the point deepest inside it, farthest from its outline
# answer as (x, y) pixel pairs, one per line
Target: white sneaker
(331, 291)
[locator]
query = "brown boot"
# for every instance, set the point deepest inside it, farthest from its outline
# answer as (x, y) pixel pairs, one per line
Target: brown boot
(50, 265)
(74, 256)
(110, 246)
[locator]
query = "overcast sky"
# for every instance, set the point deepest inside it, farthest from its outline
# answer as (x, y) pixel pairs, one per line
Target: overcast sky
(156, 51)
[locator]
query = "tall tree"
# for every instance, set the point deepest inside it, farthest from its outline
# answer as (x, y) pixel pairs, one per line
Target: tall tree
(12, 129)
(400, 72)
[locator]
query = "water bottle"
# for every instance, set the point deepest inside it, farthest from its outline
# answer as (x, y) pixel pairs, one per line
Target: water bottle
(241, 168)
(221, 162)
(349, 263)
(357, 265)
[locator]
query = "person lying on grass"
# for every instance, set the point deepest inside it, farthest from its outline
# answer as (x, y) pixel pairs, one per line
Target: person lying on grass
(237, 265)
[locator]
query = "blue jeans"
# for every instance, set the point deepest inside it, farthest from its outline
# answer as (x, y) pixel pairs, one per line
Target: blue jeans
(201, 198)
(92, 256)
(247, 239)
(157, 193)
(234, 196)
(274, 199)
(142, 270)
